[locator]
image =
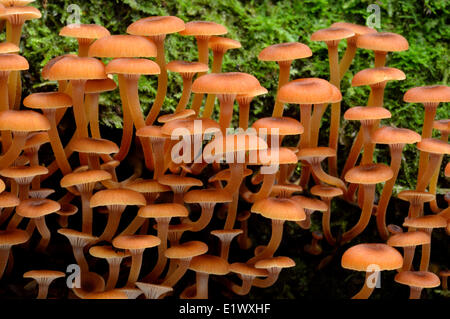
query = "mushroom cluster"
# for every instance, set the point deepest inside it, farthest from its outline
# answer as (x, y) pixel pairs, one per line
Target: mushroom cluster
(202, 179)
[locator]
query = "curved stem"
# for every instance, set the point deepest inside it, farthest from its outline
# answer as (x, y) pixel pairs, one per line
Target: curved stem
(269, 280)
(4, 256)
(44, 231)
(136, 263)
(114, 270)
(326, 226)
(396, 160)
(187, 90)
(216, 68)
(427, 130)
(426, 252)
(285, 71)
(424, 180)
(87, 215)
(14, 151)
(324, 177)
(205, 217)
(55, 142)
(81, 259)
(408, 257)
(365, 291)
(232, 212)
(163, 229)
(115, 212)
(348, 57)
(127, 131)
(275, 240)
(174, 277)
(226, 111)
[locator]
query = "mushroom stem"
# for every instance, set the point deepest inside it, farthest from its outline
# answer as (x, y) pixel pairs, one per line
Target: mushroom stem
(13, 36)
(81, 259)
(275, 240)
(175, 276)
(269, 280)
(319, 110)
(348, 57)
(415, 292)
(157, 147)
(127, 131)
(114, 270)
(43, 290)
(78, 107)
(55, 142)
(427, 130)
(326, 228)
(87, 216)
(163, 229)
(187, 89)
(14, 151)
(137, 116)
(162, 79)
(324, 177)
(426, 252)
(433, 182)
(408, 257)
(366, 291)
(4, 256)
(285, 71)
(115, 212)
(232, 212)
(133, 227)
(244, 111)
(216, 68)
(4, 106)
(305, 119)
(203, 57)
(136, 263)
(245, 287)
(266, 187)
(202, 285)
(424, 180)
(237, 175)
(44, 231)
(205, 217)
(369, 195)
(396, 161)
(226, 110)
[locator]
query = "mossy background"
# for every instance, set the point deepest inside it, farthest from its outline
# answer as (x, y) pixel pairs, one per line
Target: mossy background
(257, 24)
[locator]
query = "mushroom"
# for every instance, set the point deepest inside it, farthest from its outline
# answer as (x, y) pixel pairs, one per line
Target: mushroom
(179, 185)
(157, 140)
(409, 241)
(152, 291)
(202, 31)
(314, 248)
(248, 274)
(36, 209)
(31, 150)
(278, 210)
(417, 280)
(284, 54)
(310, 205)
(371, 258)
(85, 35)
(244, 101)
(114, 294)
(116, 200)
(136, 244)
(156, 28)
(9, 238)
(44, 278)
(93, 148)
(367, 176)
(416, 201)
(8, 201)
(114, 258)
(273, 266)
(219, 46)
(226, 236)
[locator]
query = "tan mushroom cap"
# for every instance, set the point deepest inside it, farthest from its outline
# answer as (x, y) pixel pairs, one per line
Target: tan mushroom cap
(203, 28)
(176, 180)
(184, 114)
(326, 191)
(13, 237)
(285, 126)
(428, 94)
(442, 125)
(235, 143)
(306, 91)
(209, 264)
(225, 175)
(207, 196)
(36, 207)
(416, 196)
(13, 62)
(369, 174)
(420, 279)
(310, 203)
(427, 221)
(36, 140)
(226, 83)
(279, 209)
(186, 67)
(189, 249)
(147, 186)
(222, 44)
(23, 121)
(77, 68)
(382, 41)
(361, 256)
(132, 242)
(409, 239)
(356, 28)
(377, 75)
(8, 47)
(99, 86)
(20, 13)
(367, 113)
(273, 156)
(285, 52)
(84, 31)
(163, 211)
(76, 236)
(247, 270)
(8, 200)
(275, 262)
(23, 171)
(114, 294)
(117, 196)
(190, 126)
(122, 46)
(44, 274)
(107, 252)
(46, 69)
(94, 146)
(332, 34)
(286, 188)
(258, 91)
(434, 146)
(84, 177)
(151, 131)
(47, 100)
(394, 135)
(316, 152)
(132, 66)
(157, 25)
